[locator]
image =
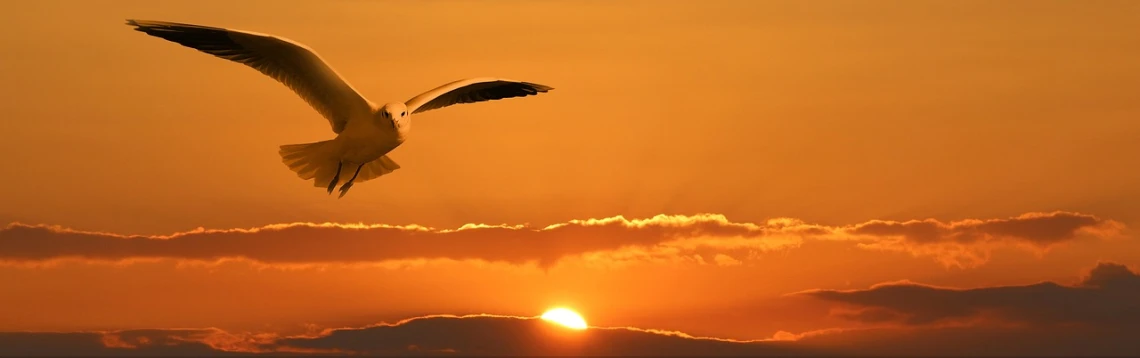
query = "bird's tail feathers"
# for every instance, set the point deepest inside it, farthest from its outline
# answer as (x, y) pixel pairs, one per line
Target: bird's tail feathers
(318, 161)
(376, 168)
(315, 161)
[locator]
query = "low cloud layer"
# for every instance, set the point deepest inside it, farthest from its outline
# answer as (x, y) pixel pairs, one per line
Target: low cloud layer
(962, 243)
(1108, 297)
(485, 335)
(496, 336)
(147, 343)
(977, 341)
(434, 335)
(1098, 315)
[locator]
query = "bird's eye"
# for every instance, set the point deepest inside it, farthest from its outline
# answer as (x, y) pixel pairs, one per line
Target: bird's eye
(402, 114)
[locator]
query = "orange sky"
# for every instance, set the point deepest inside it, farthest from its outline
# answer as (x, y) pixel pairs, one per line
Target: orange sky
(1010, 125)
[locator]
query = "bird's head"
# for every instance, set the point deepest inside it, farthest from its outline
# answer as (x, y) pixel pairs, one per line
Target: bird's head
(396, 114)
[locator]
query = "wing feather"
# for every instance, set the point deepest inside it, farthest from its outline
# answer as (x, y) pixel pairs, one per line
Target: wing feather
(473, 90)
(290, 63)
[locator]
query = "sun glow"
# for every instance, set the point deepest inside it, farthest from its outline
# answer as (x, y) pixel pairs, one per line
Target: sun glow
(565, 317)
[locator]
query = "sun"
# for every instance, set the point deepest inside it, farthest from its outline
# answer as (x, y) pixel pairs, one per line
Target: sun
(565, 317)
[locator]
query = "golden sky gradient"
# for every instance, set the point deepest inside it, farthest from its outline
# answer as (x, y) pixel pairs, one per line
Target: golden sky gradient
(833, 145)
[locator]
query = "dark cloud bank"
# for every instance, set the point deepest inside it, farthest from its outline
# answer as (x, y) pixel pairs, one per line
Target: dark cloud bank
(1100, 315)
(426, 336)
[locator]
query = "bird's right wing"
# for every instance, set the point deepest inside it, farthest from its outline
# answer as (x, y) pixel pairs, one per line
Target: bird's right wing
(473, 90)
(288, 62)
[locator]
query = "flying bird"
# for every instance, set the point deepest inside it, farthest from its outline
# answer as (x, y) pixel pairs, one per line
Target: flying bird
(365, 132)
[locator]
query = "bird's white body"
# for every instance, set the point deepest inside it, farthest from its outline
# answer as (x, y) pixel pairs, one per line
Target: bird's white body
(367, 139)
(366, 133)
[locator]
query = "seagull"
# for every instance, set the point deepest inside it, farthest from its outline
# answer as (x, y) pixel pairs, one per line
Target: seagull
(365, 132)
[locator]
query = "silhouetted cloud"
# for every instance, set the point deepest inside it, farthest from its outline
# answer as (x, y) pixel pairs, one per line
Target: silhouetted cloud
(1108, 297)
(142, 343)
(497, 335)
(432, 335)
(977, 341)
(1097, 316)
(961, 242)
(487, 335)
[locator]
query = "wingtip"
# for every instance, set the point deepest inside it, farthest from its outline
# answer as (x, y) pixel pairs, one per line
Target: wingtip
(139, 25)
(540, 87)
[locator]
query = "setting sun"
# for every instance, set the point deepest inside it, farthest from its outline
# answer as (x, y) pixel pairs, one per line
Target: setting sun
(565, 317)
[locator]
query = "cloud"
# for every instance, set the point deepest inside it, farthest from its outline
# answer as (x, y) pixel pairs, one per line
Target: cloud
(1034, 228)
(984, 341)
(489, 335)
(1108, 297)
(1097, 316)
(141, 343)
(725, 260)
(432, 335)
(968, 243)
(498, 335)
(615, 239)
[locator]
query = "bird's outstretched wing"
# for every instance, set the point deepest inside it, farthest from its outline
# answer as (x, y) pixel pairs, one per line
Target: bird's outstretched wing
(473, 90)
(288, 62)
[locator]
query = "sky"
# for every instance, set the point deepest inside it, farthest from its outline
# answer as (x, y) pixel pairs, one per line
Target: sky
(720, 177)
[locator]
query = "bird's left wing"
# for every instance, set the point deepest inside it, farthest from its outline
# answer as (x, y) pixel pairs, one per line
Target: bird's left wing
(288, 62)
(473, 90)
